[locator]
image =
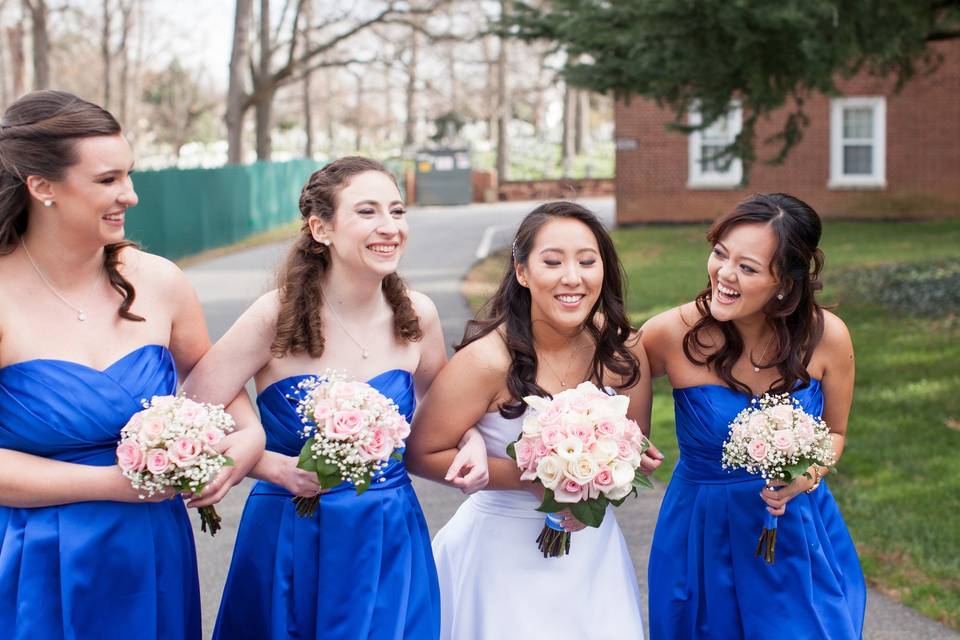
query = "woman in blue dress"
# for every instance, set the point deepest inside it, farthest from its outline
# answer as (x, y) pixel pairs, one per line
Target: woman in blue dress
(89, 327)
(756, 327)
(361, 567)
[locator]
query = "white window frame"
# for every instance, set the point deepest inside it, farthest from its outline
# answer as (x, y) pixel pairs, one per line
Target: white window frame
(877, 179)
(696, 177)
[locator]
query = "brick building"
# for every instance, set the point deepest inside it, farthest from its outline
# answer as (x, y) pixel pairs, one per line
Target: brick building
(868, 153)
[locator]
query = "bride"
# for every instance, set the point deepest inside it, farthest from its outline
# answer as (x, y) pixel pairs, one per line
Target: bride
(556, 320)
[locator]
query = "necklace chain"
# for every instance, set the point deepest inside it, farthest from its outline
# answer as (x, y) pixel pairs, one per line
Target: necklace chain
(563, 378)
(756, 368)
(364, 353)
(81, 314)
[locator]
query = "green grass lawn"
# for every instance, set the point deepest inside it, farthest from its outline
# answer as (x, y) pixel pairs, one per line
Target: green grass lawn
(899, 480)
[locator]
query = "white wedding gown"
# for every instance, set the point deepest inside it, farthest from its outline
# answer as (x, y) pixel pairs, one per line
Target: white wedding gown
(496, 584)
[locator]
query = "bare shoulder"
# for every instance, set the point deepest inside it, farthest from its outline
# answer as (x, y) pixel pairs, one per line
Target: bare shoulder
(669, 327)
(424, 306)
(487, 355)
(836, 336)
(635, 344)
(264, 309)
(152, 270)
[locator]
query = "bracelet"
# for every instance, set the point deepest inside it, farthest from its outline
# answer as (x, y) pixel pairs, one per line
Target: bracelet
(816, 479)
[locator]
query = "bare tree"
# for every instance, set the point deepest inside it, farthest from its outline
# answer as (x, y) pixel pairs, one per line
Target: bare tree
(503, 108)
(41, 42)
(17, 59)
(178, 103)
(410, 123)
(236, 93)
(4, 94)
(581, 121)
(108, 52)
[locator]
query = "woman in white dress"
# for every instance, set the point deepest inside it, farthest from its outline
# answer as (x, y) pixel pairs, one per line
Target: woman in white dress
(557, 320)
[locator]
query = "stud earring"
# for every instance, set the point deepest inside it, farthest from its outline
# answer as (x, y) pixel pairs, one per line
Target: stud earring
(779, 296)
(326, 243)
(48, 203)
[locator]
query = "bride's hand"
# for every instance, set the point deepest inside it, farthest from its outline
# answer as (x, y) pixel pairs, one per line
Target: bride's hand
(468, 471)
(569, 522)
(651, 459)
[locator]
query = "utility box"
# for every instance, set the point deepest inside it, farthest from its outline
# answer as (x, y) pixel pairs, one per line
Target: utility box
(444, 177)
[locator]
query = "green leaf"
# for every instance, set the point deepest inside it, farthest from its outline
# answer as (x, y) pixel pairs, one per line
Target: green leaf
(794, 471)
(640, 480)
(363, 486)
(512, 450)
(590, 512)
(228, 461)
(549, 504)
(306, 461)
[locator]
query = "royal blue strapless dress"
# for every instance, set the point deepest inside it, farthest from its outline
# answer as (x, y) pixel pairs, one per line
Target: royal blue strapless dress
(704, 579)
(104, 570)
(360, 568)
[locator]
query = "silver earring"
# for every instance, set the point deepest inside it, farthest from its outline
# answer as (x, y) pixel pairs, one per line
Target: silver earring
(48, 203)
(326, 243)
(779, 296)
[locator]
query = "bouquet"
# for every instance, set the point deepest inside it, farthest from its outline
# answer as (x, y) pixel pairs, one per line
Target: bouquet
(776, 439)
(352, 431)
(583, 449)
(171, 444)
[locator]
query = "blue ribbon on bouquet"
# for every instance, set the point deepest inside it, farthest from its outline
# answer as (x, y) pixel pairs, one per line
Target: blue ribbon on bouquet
(554, 522)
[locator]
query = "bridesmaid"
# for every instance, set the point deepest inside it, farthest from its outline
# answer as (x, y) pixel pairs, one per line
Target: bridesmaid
(90, 327)
(362, 566)
(756, 327)
(556, 320)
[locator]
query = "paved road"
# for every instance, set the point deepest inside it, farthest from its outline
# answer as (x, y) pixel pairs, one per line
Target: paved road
(443, 244)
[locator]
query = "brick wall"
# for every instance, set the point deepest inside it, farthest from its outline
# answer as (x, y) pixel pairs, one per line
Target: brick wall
(922, 157)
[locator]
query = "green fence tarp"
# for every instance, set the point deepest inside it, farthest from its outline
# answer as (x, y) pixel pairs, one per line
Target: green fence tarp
(186, 211)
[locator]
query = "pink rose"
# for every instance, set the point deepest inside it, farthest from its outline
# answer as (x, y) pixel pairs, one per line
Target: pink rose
(625, 450)
(151, 430)
(211, 436)
(552, 435)
(604, 478)
(607, 428)
(540, 450)
(524, 451)
(322, 409)
(805, 430)
(782, 415)
(568, 491)
(757, 449)
(345, 424)
(192, 413)
(183, 451)
(550, 417)
(399, 429)
(131, 456)
(378, 447)
(584, 433)
(157, 461)
(784, 441)
(581, 403)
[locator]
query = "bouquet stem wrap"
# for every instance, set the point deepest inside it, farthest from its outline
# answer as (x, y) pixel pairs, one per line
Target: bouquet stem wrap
(554, 540)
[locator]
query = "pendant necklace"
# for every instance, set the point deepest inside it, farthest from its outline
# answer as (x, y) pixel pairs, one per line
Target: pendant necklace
(562, 379)
(363, 350)
(81, 314)
(756, 369)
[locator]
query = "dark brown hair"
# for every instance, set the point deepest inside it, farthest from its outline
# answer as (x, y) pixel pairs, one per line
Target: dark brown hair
(38, 136)
(299, 327)
(510, 308)
(797, 319)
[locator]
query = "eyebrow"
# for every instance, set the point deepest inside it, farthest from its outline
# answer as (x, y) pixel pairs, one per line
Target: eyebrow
(590, 249)
(110, 171)
(751, 259)
(374, 202)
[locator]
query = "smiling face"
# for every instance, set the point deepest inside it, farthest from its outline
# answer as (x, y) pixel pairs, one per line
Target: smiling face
(92, 198)
(740, 267)
(564, 273)
(369, 230)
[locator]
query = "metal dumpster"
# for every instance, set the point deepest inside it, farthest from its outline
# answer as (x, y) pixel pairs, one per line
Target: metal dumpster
(444, 177)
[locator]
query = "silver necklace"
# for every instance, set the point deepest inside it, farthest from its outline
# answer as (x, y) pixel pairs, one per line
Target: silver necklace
(756, 369)
(563, 383)
(81, 314)
(363, 350)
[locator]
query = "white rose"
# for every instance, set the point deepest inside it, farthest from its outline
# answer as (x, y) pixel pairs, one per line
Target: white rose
(618, 491)
(537, 403)
(571, 420)
(623, 473)
(549, 471)
(611, 409)
(531, 426)
(570, 448)
(582, 469)
(605, 450)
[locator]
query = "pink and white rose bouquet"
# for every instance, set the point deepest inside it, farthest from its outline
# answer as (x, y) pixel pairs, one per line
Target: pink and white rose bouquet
(172, 444)
(776, 439)
(586, 453)
(352, 431)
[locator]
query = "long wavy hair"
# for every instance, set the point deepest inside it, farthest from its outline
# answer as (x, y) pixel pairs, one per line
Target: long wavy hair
(797, 319)
(509, 308)
(38, 137)
(299, 281)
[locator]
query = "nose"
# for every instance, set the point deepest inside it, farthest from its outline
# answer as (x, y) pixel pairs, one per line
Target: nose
(128, 197)
(571, 274)
(726, 272)
(388, 225)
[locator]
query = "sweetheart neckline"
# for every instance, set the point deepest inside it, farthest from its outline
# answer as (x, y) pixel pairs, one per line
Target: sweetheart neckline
(86, 366)
(307, 375)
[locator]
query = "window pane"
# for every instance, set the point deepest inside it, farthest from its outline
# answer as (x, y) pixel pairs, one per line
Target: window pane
(711, 164)
(857, 160)
(858, 123)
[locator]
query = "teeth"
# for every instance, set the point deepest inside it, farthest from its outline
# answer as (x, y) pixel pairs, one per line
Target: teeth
(725, 290)
(380, 248)
(570, 299)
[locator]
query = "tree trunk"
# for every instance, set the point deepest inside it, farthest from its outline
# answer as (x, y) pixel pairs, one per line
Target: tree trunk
(17, 59)
(106, 53)
(503, 108)
(123, 50)
(4, 90)
(410, 126)
(41, 43)
(568, 144)
(582, 122)
(358, 140)
(329, 110)
(262, 89)
(308, 86)
(235, 92)
(490, 94)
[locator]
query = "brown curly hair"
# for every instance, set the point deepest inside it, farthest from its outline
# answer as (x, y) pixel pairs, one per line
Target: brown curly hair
(299, 327)
(38, 136)
(797, 319)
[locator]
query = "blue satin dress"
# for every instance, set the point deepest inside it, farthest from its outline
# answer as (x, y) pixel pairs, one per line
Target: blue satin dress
(104, 570)
(705, 581)
(360, 568)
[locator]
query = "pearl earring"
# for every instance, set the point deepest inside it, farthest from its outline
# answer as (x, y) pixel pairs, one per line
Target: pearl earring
(326, 243)
(779, 296)
(48, 203)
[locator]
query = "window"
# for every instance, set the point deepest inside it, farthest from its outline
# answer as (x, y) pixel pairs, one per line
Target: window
(707, 170)
(858, 142)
